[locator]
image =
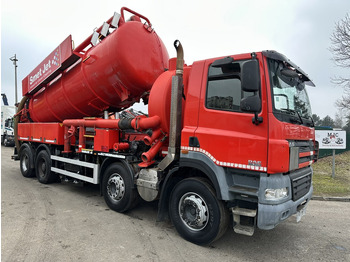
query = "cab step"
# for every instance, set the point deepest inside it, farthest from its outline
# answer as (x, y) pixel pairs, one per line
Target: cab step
(244, 212)
(239, 212)
(244, 230)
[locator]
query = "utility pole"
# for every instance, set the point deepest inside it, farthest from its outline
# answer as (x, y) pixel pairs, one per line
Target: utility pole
(14, 60)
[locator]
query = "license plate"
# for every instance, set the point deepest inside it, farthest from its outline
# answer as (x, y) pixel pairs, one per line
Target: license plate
(301, 213)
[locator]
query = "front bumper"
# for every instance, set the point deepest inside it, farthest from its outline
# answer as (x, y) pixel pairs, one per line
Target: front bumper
(269, 216)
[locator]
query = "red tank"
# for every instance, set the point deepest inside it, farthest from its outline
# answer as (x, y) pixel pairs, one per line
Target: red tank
(114, 74)
(160, 95)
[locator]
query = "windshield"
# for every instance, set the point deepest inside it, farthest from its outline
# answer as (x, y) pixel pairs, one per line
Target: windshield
(9, 123)
(290, 99)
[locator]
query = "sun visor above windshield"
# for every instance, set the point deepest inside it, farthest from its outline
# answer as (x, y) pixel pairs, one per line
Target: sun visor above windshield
(279, 57)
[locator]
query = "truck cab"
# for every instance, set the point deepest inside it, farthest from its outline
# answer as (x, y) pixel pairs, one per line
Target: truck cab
(7, 125)
(247, 125)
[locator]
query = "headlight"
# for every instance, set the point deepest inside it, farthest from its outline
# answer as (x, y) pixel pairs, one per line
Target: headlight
(276, 194)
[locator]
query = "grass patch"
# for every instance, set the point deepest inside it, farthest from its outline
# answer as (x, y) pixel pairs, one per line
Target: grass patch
(324, 184)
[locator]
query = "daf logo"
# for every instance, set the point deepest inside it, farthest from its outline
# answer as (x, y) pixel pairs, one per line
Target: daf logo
(254, 163)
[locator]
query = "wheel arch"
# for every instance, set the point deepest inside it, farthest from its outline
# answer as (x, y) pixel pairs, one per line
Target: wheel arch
(43, 147)
(205, 170)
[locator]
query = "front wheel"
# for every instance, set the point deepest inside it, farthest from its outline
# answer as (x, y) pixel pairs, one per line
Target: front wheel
(196, 213)
(118, 188)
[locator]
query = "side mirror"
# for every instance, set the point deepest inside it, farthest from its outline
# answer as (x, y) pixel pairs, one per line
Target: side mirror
(250, 80)
(250, 76)
(252, 104)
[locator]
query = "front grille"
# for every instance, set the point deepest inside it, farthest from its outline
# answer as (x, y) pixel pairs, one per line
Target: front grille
(301, 182)
(302, 153)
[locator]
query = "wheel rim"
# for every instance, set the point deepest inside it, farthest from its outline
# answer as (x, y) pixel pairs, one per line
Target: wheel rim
(42, 167)
(25, 163)
(193, 211)
(116, 187)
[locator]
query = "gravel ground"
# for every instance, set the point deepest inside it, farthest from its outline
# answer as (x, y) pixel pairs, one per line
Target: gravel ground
(60, 222)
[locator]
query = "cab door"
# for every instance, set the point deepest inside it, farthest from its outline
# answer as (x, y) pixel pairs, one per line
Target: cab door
(225, 133)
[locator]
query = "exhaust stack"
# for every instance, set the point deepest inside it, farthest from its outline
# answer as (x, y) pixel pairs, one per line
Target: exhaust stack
(175, 110)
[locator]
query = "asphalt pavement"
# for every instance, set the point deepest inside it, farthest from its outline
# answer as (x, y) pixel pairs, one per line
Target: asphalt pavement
(62, 222)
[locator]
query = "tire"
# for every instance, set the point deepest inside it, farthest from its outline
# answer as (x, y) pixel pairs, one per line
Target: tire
(196, 213)
(43, 168)
(117, 188)
(6, 142)
(26, 160)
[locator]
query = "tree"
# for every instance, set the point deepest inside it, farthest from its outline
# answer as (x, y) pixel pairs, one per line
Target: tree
(340, 48)
(347, 125)
(317, 119)
(338, 121)
(327, 121)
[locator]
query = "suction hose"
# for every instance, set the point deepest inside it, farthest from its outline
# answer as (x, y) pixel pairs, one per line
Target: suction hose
(17, 118)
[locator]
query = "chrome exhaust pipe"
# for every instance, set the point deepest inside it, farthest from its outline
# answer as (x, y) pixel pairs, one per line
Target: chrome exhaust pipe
(175, 110)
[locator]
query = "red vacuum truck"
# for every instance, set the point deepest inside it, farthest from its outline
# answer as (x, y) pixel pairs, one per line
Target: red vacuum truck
(227, 140)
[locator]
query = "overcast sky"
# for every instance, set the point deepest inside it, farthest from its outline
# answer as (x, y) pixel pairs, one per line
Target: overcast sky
(299, 29)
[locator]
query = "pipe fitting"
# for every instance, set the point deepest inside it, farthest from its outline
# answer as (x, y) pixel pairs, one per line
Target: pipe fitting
(150, 154)
(150, 139)
(121, 146)
(144, 123)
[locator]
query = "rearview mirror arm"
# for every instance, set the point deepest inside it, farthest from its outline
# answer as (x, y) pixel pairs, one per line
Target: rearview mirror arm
(257, 119)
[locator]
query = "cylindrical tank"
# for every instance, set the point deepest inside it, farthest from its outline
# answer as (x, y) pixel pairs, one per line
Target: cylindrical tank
(160, 96)
(114, 74)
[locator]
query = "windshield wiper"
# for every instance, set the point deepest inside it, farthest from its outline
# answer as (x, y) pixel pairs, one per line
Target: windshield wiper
(292, 113)
(312, 124)
(287, 110)
(301, 120)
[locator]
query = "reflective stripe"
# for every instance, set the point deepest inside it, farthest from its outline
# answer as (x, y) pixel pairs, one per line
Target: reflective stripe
(226, 164)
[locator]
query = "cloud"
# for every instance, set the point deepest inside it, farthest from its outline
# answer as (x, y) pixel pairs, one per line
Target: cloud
(299, 29)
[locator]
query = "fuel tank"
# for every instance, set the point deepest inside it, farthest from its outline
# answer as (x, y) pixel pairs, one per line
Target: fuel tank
(114, 74)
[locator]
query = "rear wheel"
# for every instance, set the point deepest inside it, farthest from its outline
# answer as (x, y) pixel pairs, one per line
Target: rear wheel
(196, 213)
(117, 188)
(26, 161)
(43, 168)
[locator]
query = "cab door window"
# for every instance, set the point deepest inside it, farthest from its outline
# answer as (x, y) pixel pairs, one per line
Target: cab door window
(224, 90)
